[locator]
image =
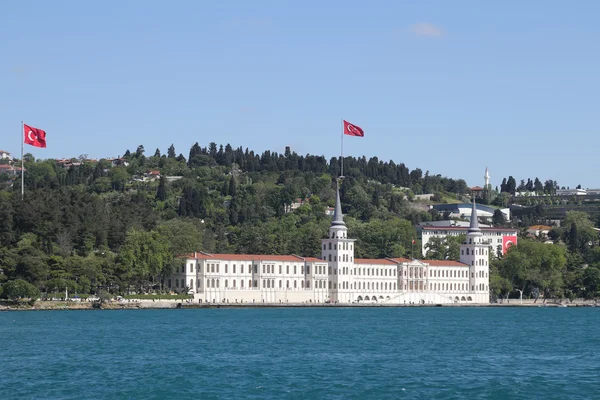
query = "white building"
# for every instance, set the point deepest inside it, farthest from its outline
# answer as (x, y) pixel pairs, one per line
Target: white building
(493, 237)
(5, 155)
(337, 276)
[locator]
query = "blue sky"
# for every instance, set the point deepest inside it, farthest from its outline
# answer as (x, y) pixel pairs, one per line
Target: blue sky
(448, 87)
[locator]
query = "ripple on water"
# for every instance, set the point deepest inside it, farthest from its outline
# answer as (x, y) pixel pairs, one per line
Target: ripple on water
(395, 353)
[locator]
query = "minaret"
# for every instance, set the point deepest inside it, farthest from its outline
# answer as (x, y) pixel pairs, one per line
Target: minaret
(474, 252)
(487, 179)
(338, 251)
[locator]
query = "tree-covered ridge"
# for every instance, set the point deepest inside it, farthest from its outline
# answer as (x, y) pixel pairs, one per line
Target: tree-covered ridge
(85, 225)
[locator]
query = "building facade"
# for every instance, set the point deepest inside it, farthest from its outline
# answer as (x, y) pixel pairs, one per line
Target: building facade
(493, 237)
(337, 276)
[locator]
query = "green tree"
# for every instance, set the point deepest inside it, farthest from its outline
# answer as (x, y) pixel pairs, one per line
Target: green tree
(20, 289)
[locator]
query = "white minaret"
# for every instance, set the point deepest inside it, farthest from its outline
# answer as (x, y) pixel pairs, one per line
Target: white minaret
(487, 178)
(338, 251)
(474, 252)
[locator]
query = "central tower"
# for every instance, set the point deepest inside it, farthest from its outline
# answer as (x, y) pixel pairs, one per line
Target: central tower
(475, 253)
(338, 251)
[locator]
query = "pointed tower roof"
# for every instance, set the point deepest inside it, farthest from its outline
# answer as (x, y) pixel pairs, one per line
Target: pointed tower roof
(474, 229)
(338, 217)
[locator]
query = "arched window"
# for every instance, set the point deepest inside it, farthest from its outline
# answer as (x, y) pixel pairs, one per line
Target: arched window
(280, 269)
(249, 283)
(226, 283)
(225, 268)
(191, 283)
(234, 268)
(295, 285)
(329, 284)
(329, 245)
(234, 283)
(287, 269)
(241, 283)
(217, 283)
(287, 284)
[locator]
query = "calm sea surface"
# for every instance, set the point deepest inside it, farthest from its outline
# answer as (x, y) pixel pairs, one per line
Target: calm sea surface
(334, 353)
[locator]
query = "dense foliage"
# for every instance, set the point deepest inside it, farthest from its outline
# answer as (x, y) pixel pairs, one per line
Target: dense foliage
(86, 226)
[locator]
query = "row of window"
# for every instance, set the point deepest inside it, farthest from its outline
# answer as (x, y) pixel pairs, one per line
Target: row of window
(343, 246)
(412, 272)
(269, 283)
(266, 268)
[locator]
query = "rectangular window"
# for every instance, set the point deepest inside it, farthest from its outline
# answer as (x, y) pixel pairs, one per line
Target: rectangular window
(294, 270)
(234, 268)
(287, 269)
(225, 268)
(263, 269)
(191, 267)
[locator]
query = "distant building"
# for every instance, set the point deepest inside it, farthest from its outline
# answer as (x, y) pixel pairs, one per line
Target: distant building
(464, 210)
(10, 169)
(571, 192)
(5, 155)
(496, 238)
(536, 231)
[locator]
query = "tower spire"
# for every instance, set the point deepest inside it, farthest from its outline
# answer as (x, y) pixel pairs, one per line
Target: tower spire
(338, 217)
(474, 229)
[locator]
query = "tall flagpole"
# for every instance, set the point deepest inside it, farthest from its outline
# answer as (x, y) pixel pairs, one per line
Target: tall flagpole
(342, 155)
(22, 163)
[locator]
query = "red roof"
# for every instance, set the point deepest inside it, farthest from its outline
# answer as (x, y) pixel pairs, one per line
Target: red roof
(373, 261)
(444, 263)
(313, 259)
(476, 188)
(400, 260)
(244, 257)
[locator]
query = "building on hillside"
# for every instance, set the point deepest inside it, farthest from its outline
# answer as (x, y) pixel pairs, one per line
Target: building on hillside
(337, 276)
(10, 169)
(5, 155)
(538, 231)
(571, 192)
(463, 210)
(495, 238)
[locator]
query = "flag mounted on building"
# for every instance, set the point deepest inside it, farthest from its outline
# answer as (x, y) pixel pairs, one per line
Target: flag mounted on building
(353, 130)
(34, 136)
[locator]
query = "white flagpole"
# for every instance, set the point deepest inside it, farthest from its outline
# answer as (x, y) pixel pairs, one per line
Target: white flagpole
(22, 162)
(342, 155)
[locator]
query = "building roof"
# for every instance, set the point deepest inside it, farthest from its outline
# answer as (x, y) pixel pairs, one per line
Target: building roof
(400, 260)
(250, 257)
(444, 263)
(539, 228)
(4, 151)
(476, 189)
(380, 261)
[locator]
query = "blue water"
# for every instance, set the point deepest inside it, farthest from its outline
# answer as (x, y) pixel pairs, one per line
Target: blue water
(333, 353)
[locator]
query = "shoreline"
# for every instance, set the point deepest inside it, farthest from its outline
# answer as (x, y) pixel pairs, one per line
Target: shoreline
(175, 304)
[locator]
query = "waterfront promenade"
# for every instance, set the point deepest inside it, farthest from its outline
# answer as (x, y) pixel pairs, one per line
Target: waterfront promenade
(188, 304)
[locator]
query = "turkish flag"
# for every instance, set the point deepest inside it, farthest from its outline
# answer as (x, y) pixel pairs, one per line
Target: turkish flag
(34, 136)
(353, 130)
(508, 241)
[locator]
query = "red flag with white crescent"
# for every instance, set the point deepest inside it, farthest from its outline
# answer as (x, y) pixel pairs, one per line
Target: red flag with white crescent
(34, 136)
(353, 130)
(508, 241)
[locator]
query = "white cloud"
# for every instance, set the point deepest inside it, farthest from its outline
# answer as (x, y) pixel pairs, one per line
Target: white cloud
(427, 29)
